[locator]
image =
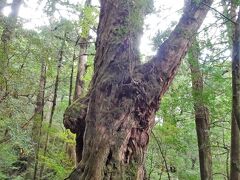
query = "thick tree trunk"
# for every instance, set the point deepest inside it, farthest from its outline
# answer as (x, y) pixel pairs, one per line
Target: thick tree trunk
(235, 133)
(120, 107)
(201, 114)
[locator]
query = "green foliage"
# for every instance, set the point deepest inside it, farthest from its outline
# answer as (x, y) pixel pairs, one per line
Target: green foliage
(175, 130)
(88, 21)
(21, 85)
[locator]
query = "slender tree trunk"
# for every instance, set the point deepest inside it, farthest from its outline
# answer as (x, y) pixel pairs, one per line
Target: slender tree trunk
(235, 151)
(70, 148)
(235, 133)
(78, 92)
(11, 21)
(71, 79)
(82, 61)
(119, 110)
(38, 113)
(201, 114)
(79, 85)
(233, 34)
(163, 156)
(38, 117)
(9, 26)
(54, 101)
(81, 68)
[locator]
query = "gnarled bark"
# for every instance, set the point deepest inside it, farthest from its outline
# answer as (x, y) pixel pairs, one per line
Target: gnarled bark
(124, 94)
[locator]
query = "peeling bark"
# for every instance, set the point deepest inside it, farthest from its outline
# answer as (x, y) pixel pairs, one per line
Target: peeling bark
(120, 107)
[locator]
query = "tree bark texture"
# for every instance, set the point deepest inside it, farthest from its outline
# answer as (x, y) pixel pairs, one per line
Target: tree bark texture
(118, 112)
(201, 114)
(235, 133)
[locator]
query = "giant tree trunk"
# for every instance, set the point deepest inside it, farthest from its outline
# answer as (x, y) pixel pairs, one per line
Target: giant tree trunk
(235, 133)
(120, 107)
(201, 114)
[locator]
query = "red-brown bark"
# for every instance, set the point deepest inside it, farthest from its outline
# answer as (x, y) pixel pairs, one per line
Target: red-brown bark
(120, 108)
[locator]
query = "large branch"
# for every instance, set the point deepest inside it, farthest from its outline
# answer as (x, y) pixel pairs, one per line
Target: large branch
(170, 53)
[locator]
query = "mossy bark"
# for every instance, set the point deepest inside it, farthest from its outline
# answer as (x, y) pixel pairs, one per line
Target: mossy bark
(119, 109)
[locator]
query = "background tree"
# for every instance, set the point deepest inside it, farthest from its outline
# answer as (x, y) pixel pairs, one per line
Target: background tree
(235, 144)
(201, 113)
